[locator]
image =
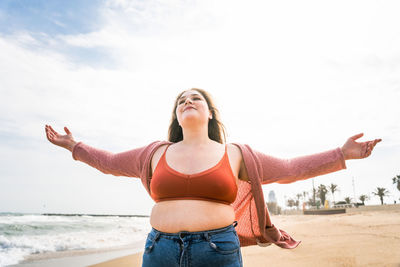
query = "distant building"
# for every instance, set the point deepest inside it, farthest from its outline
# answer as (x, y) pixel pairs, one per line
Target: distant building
(271, 197)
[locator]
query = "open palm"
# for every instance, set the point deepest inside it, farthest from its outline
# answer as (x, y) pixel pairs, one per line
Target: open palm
(354, 150)
(59, 139)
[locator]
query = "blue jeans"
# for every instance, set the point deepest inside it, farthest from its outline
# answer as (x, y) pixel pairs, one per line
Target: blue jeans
(218, 247)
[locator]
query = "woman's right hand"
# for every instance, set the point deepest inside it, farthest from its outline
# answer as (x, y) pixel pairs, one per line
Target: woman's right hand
(65, 141)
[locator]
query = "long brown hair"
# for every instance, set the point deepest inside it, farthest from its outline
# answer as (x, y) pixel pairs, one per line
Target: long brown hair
(216, 130)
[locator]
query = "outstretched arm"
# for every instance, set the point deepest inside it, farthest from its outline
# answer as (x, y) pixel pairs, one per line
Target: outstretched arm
(306, 167)
(276, 170)
(129, 163)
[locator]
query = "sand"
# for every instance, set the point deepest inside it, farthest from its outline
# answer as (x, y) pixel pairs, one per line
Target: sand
(368, 238)
(79, 258)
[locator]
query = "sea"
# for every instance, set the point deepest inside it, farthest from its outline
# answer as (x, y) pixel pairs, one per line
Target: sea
(22, 235)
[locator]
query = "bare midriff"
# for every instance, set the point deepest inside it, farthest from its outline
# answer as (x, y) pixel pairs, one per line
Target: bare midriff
(174, 216)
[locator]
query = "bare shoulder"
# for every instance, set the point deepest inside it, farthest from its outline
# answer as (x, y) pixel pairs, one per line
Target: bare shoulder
(160, 150)
(235, 155)
(234, 151)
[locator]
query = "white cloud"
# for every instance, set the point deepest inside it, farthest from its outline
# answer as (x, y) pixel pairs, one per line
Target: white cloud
(288, 80)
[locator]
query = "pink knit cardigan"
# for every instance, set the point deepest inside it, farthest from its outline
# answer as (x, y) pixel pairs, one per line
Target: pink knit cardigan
(254, 223)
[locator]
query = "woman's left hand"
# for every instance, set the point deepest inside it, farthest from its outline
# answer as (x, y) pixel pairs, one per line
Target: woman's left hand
(353, 150)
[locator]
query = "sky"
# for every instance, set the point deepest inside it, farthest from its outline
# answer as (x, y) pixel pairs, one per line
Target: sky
(290, 78)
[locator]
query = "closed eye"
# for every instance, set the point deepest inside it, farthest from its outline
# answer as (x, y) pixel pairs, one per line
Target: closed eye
(183, 100)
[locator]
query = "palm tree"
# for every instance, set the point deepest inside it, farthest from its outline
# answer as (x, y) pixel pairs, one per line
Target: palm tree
(298, 196)
(396, 180)
(291, 203)
(381, 192)
(310, 202)
(314, 192)
(363, 198)
(348, 200)
(322, 193)
(305, 193)
(333, 188)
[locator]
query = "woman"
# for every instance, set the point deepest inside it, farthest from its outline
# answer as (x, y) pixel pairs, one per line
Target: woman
(208, 194)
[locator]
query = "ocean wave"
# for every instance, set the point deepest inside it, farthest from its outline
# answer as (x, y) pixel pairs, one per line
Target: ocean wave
(34, 234)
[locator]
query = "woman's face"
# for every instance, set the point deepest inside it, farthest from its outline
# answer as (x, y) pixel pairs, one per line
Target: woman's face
(192, 106)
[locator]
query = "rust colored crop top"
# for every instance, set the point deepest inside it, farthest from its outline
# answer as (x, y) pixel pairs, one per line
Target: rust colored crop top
(217, 184)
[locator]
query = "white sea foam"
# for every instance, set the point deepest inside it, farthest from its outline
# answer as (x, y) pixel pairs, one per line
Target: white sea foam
(31, 234)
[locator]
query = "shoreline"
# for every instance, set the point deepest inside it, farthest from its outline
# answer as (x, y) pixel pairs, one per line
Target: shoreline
(366, 238)
(93, 215)
(78, 258)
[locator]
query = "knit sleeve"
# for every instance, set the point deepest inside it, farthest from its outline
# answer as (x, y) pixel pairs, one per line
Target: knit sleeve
(286, 171)
(129, 163)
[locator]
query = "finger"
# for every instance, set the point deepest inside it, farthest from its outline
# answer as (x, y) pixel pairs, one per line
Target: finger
(373, 143)
(355, 137)
(66, 130)
(48, 136)
(51, 128)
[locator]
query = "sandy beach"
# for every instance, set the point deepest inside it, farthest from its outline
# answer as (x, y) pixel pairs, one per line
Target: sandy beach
(361, 238)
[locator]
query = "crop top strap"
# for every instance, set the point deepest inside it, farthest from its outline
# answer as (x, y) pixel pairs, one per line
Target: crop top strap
(165, 151)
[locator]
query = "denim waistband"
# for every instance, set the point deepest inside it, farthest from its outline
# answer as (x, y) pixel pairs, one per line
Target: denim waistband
(193, 235)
